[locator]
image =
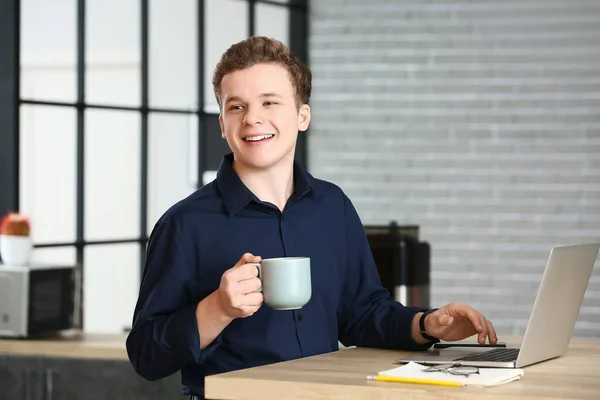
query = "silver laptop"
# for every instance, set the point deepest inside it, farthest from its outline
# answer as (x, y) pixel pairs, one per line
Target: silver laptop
(551, 322)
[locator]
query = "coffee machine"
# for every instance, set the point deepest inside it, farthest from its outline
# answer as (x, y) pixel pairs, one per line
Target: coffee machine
(403, 262)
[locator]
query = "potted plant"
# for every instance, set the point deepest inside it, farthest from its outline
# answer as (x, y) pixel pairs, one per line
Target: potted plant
(15, 239)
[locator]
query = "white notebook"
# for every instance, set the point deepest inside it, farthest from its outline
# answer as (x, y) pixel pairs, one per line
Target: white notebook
(485, 377)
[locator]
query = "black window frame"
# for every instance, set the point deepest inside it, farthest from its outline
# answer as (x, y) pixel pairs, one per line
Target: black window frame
(208, 144)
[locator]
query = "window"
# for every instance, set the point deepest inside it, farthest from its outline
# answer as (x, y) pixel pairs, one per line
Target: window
(116, 121)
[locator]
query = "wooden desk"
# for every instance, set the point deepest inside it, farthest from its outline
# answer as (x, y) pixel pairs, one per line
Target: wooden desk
(341, 376)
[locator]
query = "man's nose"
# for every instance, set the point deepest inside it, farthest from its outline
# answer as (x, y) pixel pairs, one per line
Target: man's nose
(252, 117)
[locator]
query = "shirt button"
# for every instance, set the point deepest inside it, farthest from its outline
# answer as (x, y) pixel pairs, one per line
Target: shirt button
(299, 317)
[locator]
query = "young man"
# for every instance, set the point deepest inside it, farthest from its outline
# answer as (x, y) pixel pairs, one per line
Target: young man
(198, 309)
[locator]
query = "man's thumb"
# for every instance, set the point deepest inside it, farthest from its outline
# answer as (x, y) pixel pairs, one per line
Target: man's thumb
(447, 320)
(247, 258)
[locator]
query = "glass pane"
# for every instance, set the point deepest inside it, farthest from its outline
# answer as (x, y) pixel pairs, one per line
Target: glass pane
(113, 52)
(48, 45)
(112, 175)
(273, 21)
(54, 255)
(47, 171)
(226, 24)
(217, 147)
(110, 287)
(172, 163)
(173, 54)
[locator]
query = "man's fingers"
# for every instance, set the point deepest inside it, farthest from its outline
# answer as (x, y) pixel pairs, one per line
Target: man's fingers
(248, 258)
(253, 299)
(444, 320)
(248, 271)
(249, 285)
(474, 317)
(479, 323)
(243, 272)
(492, 332)
(483, 332)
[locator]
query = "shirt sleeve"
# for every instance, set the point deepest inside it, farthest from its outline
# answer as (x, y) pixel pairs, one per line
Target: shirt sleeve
(368, 316)
(164, 335)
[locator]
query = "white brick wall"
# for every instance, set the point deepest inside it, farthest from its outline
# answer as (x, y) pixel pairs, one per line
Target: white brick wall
(477, 120)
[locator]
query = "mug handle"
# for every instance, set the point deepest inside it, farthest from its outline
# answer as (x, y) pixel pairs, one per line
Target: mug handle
(257, 265)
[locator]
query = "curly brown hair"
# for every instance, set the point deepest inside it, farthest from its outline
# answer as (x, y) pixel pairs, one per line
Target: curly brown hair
(260, 50)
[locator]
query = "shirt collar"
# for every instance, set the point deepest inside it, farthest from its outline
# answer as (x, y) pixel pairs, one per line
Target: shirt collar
(236, 195)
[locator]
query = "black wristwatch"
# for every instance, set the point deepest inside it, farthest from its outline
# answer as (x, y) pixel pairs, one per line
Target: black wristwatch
(422, 327)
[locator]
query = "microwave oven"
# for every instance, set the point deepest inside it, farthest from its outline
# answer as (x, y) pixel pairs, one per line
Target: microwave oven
(36, 299)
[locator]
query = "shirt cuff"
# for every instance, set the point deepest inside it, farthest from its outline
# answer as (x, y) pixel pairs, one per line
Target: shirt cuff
(186, 338)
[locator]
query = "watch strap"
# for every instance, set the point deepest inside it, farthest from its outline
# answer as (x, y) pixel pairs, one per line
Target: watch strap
(422, 326)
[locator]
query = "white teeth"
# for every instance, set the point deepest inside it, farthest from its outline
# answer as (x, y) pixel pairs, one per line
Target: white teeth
(257, 138)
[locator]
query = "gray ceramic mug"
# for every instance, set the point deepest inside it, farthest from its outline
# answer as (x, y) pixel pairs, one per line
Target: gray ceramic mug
(286, 282)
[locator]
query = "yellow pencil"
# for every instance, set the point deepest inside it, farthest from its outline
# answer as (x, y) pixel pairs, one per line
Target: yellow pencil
(382, 378)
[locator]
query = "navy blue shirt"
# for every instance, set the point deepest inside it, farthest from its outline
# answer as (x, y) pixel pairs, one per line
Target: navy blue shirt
(205, 234)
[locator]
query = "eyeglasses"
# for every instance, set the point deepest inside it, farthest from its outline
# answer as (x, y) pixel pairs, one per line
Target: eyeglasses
(454, 369)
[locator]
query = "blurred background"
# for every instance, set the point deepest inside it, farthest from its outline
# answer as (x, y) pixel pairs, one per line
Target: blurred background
(477, 121)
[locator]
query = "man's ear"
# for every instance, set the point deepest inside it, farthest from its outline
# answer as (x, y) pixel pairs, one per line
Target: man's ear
(221, 125)
(303, 117)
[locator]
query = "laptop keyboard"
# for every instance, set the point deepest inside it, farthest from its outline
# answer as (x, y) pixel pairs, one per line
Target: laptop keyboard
(492, 355)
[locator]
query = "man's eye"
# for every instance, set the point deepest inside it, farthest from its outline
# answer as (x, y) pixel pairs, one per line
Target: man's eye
(269, 103)
(235, 107)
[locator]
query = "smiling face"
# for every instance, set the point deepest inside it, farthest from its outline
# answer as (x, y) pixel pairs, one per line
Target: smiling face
(260, 118)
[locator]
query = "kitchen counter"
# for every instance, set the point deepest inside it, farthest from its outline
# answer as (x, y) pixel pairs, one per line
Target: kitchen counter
(70, 344)
(76, 366)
